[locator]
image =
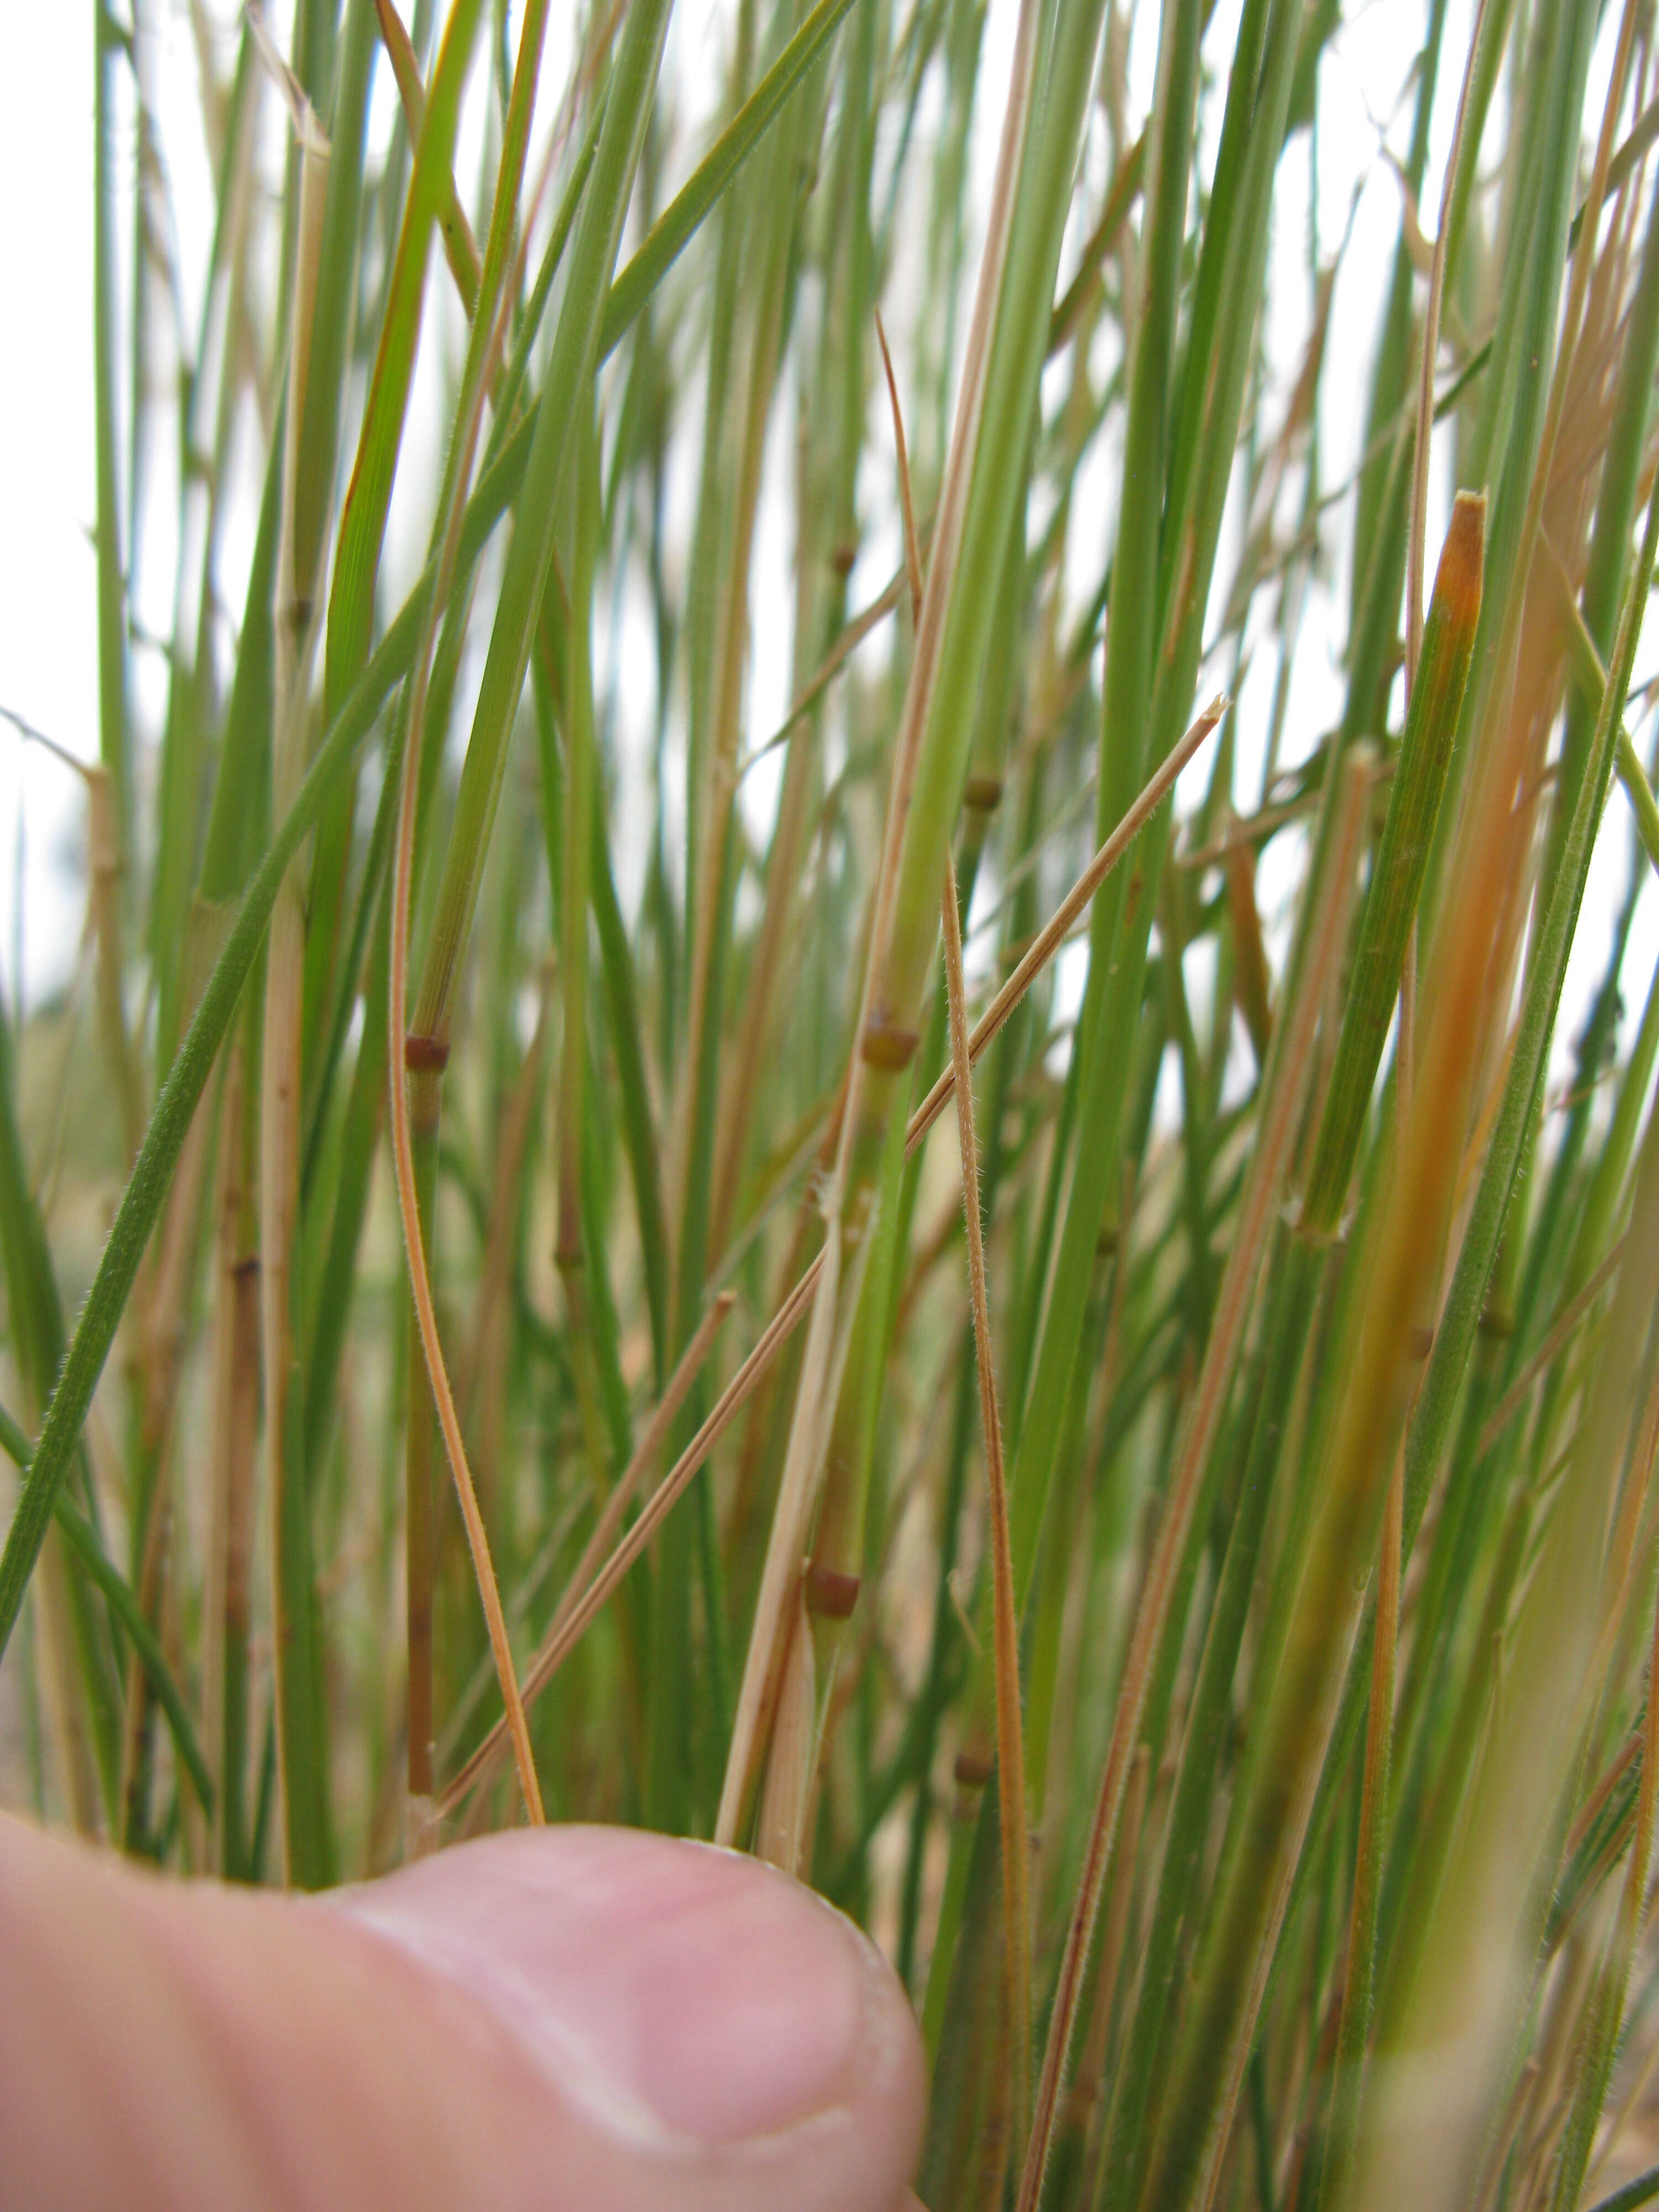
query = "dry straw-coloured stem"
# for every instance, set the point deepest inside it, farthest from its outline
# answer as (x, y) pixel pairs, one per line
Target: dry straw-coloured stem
(1010, 1754)
(426, 1319)
(783, 1823)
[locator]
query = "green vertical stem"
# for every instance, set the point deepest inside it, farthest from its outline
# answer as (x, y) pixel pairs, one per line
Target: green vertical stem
(1382, 502)
(1194, 1089)
(295, 1657)
(234, 1352)
(712, 526)
(111, 584)
(766, 245)
(1359, 1974)
(327, 382)
(580, 766)
(420, 1457)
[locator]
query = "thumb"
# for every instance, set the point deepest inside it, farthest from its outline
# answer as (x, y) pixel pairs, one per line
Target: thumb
(576, 2019)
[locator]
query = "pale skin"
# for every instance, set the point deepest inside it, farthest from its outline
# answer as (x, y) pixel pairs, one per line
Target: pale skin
(579, 2020)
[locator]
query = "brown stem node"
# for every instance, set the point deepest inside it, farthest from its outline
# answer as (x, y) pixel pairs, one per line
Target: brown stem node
(831, 1593)
(886, 1046)
(425, 1055)
(972, 1769)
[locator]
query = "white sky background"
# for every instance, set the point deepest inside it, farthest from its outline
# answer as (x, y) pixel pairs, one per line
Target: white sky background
(48, 653)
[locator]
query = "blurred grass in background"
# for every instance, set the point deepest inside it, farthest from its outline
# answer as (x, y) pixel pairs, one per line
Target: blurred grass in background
(1195, 1603)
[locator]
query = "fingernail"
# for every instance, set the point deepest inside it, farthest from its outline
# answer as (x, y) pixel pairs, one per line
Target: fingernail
(676, 1993)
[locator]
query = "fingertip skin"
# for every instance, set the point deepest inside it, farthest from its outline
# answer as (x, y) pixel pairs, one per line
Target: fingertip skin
(178, 2045)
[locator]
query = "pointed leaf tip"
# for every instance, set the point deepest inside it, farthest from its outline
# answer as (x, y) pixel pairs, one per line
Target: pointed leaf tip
(1458, 579)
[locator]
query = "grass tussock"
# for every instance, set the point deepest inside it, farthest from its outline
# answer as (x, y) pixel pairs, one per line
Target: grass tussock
(1177, 1559)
